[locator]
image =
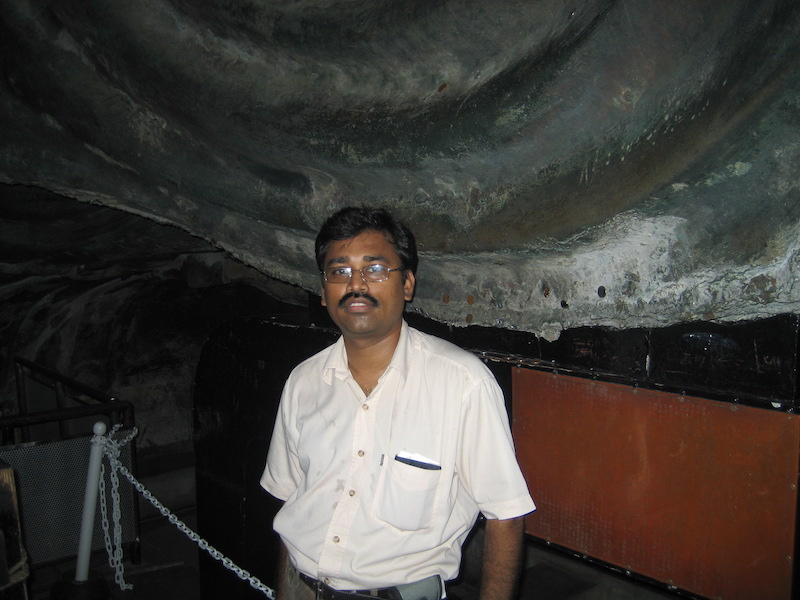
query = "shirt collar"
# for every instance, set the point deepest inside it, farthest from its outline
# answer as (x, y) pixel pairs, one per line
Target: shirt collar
(336, 363)
(402, 354)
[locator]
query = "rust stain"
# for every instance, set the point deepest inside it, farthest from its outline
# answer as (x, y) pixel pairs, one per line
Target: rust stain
(625, 475)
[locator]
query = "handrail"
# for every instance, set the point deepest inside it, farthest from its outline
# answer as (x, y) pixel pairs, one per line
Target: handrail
(63, 380)
(73, 399)
(121, 412)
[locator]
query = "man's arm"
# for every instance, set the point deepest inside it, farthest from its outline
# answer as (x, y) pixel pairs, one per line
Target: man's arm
(502, 558)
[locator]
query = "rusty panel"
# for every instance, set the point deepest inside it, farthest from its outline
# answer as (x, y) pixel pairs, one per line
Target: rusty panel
(691, 492)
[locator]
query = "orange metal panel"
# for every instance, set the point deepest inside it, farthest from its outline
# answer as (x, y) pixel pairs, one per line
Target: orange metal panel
(691, 492)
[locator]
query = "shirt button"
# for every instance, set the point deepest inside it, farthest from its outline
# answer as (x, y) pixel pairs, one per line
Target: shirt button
(326, 581)
(365, 407)
(352, 492)
(361, 453)
(336, 539)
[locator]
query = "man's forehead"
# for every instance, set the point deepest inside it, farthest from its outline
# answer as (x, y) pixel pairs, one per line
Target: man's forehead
(367, 246)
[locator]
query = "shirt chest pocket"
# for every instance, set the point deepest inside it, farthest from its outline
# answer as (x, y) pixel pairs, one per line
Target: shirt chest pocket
(405, 495)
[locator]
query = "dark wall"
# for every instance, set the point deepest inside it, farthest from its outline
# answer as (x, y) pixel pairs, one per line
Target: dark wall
(239, 381)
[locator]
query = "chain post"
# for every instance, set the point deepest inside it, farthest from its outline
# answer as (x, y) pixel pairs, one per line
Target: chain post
(114, 548)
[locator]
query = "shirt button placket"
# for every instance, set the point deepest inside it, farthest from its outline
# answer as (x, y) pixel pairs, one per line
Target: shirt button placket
(335, 548)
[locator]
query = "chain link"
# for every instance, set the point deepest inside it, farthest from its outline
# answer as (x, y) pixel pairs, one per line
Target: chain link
(113, 547)
(111, 448)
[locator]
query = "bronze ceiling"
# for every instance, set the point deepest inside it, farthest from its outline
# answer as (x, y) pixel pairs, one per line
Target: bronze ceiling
(563, 163)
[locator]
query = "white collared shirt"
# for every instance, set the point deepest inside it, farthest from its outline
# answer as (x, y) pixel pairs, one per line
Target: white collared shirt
(382, 490)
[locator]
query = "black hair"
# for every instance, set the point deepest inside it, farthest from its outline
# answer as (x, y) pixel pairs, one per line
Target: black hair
(350, 221)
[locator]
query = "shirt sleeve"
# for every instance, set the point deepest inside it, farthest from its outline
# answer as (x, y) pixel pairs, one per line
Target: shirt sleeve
(282, 473)
(488, 466)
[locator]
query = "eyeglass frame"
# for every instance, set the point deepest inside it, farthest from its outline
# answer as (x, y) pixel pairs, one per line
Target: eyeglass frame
(386, 269)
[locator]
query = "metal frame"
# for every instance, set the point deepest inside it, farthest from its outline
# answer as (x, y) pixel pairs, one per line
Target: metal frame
(74, 400)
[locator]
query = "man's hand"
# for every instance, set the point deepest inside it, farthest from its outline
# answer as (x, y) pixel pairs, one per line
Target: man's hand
(502, 558)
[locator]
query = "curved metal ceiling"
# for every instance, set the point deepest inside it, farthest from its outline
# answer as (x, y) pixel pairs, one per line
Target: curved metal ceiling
(603, 162)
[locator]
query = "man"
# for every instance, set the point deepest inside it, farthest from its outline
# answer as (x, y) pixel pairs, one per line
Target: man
(389, 442)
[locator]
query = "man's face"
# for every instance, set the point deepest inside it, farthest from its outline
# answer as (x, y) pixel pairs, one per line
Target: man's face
(366, 309)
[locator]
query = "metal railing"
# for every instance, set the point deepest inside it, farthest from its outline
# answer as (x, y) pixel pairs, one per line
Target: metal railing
(71, 402)
(55, 411)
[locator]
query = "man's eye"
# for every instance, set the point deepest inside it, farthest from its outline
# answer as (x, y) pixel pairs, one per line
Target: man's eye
(375, 269)
(340, 271)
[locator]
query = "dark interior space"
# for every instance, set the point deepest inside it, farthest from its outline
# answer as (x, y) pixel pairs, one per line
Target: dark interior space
(605, 192)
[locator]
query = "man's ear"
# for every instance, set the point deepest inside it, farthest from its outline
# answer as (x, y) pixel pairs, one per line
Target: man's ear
(323, 301)
(409, 284)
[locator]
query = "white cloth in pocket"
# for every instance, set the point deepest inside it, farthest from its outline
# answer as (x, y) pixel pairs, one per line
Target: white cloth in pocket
(406, 495)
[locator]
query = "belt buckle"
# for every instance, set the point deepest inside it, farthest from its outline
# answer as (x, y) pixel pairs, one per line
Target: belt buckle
(318, 590)
(316, 586)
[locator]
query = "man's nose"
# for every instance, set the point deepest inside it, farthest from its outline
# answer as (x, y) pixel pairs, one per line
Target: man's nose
(357, 281)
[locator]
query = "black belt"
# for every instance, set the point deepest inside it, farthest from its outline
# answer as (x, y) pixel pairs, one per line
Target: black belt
(325, 592)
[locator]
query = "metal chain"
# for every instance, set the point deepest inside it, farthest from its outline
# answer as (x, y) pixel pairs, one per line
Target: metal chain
(111, 449)
(113, 548)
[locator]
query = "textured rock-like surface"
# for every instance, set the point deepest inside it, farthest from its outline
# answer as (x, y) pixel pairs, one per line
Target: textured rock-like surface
(118, 303)
(607, 162)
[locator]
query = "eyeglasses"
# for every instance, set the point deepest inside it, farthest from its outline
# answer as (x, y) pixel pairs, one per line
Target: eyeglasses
(369, 273)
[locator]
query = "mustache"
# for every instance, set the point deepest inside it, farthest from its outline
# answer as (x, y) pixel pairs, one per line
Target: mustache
(360, 295)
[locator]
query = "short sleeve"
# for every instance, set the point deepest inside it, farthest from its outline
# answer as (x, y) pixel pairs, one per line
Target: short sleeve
(282, 472)
(487, 464)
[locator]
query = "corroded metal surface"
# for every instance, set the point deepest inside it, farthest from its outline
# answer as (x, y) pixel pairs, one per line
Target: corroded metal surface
(610, 163)
(695, 494)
